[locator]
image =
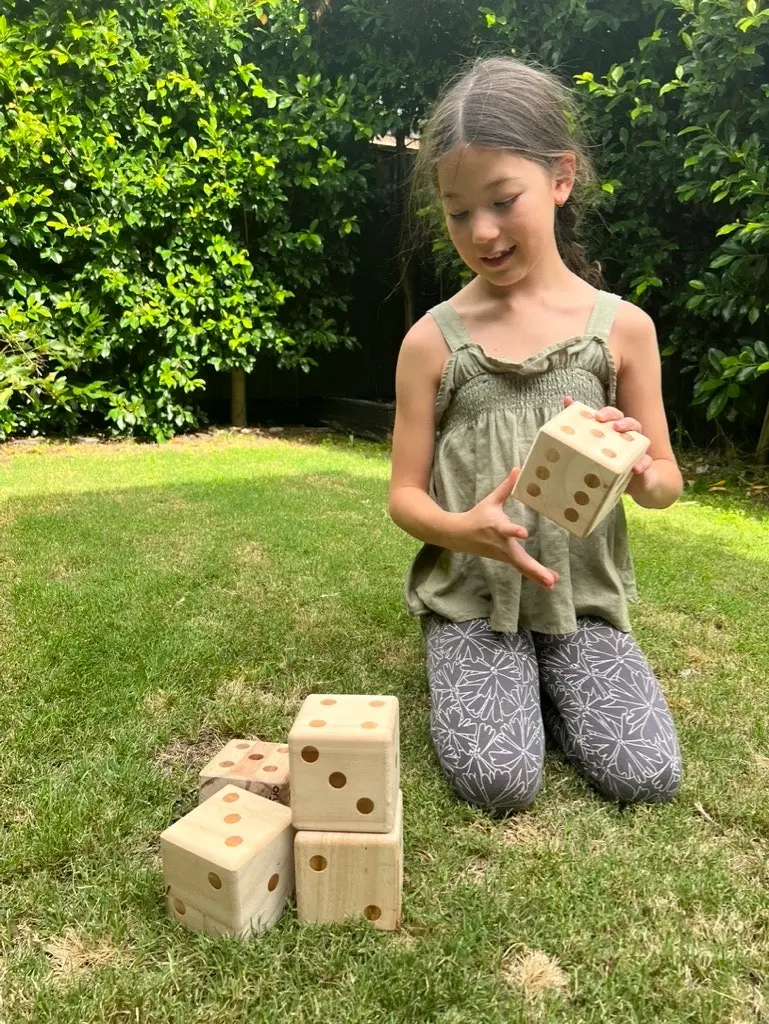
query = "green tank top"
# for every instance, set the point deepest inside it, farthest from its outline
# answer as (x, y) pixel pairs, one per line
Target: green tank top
(488, 412)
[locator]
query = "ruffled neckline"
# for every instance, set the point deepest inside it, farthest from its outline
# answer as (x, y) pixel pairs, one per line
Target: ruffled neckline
(536, 360)
(534, 363)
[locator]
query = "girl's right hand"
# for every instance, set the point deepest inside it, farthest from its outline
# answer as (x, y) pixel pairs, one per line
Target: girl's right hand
(487, 531)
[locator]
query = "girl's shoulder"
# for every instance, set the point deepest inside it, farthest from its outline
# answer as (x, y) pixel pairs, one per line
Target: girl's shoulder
(423, 352)
(633, 336)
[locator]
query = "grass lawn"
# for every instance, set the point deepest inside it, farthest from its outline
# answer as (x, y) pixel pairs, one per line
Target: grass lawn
(155, 602)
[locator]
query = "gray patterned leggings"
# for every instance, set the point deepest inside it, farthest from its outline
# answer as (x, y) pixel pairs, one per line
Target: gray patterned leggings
(493, 694)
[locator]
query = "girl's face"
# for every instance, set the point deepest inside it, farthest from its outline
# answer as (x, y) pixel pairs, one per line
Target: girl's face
(500, 210)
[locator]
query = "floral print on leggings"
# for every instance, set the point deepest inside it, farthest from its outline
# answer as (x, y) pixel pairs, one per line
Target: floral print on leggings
(493, 694)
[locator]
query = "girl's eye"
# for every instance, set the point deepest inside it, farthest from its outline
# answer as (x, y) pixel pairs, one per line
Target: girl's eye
(505, 204)
(458, 216)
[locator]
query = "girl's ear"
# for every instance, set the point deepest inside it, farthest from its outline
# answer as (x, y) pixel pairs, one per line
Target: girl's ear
(564, 176)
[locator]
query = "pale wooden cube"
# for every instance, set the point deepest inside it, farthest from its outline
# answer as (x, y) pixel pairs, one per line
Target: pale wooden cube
(345, 763)
(342, 875)
(190, 917)
(228, 864)
(578, 469)
(258, 767)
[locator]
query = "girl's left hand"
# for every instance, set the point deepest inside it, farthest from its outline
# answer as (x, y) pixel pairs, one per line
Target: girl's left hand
(622, 424)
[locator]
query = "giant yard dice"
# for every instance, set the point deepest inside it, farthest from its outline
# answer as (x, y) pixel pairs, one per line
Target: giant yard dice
(344, 763)
(343, 875)
(578, 469)
(261, 768)
(228, 864)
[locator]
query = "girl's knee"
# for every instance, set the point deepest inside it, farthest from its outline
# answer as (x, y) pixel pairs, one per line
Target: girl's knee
(498, 790)
(657, 786)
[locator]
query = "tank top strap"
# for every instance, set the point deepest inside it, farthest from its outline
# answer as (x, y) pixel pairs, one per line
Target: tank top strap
(451, 327)
(599, 326)
(602, 317)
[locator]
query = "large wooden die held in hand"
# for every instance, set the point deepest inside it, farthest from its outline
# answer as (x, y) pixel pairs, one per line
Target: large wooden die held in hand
(343, 875)
(578, 469)
(261, 768)
(228, 864)
(345, 763)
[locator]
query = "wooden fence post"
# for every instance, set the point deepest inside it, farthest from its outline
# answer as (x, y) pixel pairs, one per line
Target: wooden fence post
(238, 409)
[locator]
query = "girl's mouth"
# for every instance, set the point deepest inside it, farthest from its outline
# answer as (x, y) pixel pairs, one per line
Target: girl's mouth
(499, 259)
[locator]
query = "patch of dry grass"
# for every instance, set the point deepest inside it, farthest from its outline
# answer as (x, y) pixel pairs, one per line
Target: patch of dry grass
(189, 756)
(532, 972)
(71, 955)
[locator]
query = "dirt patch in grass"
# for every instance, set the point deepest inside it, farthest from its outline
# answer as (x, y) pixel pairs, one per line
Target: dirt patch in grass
(328, 483)
(528, 832)
(532, 973)
(72, 955)
(188, 755)
(252, 555)
(476, 871)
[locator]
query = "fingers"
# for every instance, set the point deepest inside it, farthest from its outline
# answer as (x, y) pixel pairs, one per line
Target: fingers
(505, 489)
(609, 413)
(642, 465)
(627, 423)
(621, 422)
(531, 569)
(511, 529)
(568, 401)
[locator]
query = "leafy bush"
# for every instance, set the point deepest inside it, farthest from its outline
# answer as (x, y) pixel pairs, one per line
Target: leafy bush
(173, 199)
(684, 151)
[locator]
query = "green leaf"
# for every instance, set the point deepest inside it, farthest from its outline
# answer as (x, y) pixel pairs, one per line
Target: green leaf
(717, 405)
(715, 357)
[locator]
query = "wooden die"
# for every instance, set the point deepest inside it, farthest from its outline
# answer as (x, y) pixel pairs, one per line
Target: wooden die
(342, 875)
(345, 763)
(578, 469)
(228, 864)
(261, 768)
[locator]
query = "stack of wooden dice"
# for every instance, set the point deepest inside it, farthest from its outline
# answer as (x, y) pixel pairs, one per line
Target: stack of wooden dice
(347, 809)
(229, 865)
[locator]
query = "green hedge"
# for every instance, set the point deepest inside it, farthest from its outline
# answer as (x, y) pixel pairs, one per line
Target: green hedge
(181, 185)
(173, 199)
(683, 132)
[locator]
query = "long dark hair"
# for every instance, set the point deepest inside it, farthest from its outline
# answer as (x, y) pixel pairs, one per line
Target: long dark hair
(502, 103)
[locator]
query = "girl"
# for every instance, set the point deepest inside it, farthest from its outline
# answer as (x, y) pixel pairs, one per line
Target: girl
(524, 625)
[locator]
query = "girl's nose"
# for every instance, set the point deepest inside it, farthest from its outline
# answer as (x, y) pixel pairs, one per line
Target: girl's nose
(485, 228)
